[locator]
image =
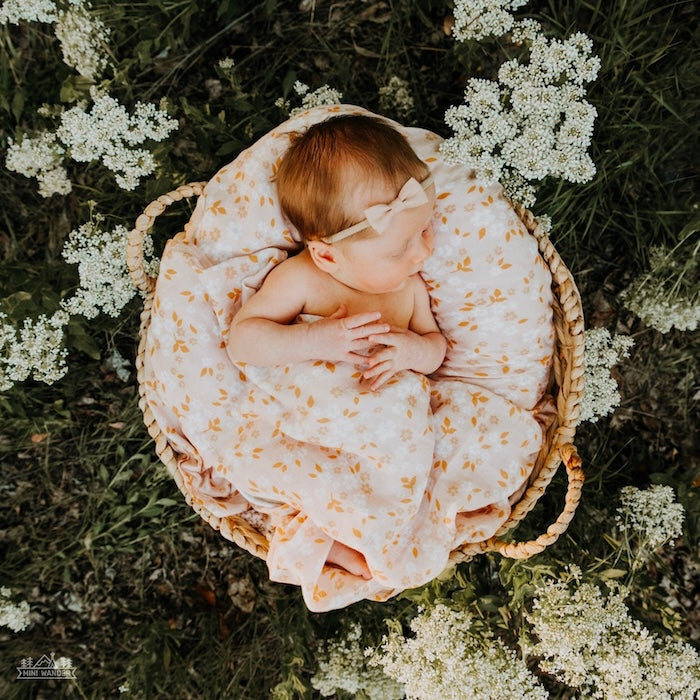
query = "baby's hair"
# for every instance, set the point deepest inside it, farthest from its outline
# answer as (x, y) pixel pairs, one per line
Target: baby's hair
(312, 178)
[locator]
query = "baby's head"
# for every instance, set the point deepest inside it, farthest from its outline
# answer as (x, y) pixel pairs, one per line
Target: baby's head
(334, 174)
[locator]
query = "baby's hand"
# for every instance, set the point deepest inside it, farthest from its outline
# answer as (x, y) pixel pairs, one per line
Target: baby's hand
(404, 350)
(340, 336)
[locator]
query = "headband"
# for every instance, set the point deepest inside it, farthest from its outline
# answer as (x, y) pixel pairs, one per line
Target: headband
(379, 216)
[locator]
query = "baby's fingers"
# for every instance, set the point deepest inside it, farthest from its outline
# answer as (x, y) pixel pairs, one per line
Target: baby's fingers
(357, 320)
(377, 368)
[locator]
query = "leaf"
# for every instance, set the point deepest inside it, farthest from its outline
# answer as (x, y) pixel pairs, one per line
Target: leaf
(78, 339)
(612, 573)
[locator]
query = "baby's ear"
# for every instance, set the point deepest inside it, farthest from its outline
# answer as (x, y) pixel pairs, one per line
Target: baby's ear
(323, 255)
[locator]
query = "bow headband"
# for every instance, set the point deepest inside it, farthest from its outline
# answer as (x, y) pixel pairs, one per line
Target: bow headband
(379, 216)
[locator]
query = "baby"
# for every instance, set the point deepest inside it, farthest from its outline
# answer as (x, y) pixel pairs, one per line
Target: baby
(362, 202)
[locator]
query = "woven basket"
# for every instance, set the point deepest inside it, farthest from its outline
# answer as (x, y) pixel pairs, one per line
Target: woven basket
(566, 385)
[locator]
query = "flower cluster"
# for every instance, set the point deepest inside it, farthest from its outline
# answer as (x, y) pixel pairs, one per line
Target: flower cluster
(107, 132)
(12, 615)
(16, 11)
(478, 19)
(651, 514)
(396, 97)
(667, 296)
(37, 350)
(104, 278)
(600, 392)
(447, 659)
(589, 642)
(531, 123)
(322, 96)
(82, 37)
(40, 157)
(342, 666)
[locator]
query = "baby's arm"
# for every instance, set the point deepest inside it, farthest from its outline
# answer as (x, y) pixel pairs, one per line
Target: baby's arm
(263, 332)
(421, 347)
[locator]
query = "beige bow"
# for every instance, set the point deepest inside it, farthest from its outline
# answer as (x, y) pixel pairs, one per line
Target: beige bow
(379, 216)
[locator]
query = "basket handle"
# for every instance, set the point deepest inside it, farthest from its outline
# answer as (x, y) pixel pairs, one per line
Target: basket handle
(523, 550)
(144, 223)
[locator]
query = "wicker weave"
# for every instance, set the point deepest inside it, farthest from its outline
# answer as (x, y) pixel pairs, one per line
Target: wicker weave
(566, 386)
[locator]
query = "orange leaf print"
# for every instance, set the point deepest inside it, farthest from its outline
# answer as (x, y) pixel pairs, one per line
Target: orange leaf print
(408, 483)
(482, 233)
(216, 208)
(446, 427)
(478, 398)
(444, 195)
(356, 532)
(465, 265)
(215, 425)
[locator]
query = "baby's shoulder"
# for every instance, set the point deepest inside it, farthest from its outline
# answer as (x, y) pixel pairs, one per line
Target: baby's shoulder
(295, 268)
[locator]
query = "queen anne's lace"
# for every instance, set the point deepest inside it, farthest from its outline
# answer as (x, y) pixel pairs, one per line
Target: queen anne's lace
(13, 615)
(667, 295)
(531, 123)
(35, 350)
(600, 392)
(82, 37)
(447, 659)
(650, 515)
(478, 19)
(16, 11)
(395, 97)
(589, 642)
(104, 277)
(342, 666)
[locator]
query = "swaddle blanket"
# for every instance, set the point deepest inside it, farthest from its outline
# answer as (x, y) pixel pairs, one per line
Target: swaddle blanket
(403, 475)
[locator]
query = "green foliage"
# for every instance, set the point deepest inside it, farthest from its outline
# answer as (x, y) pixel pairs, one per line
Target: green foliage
(119, 573)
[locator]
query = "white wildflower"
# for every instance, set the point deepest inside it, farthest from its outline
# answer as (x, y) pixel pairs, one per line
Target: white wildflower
(105, 284)
(589, 642)
(108, 133)
(668, 296)
(342, 666)
(651, 514)
(545, 221)
(531, 123)
(16, 11)
(82, 37)
(396, 97)
(600, 392)
(322, 96)
(40, 157)
(447, 659)
(54, 181)
(13, 615)
(477, 19)
(226, 64)
(37, 350)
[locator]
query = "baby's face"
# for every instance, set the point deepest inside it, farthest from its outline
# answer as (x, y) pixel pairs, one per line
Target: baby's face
(384, 262)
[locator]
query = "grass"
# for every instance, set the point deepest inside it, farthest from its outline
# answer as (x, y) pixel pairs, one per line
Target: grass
(120, 574)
